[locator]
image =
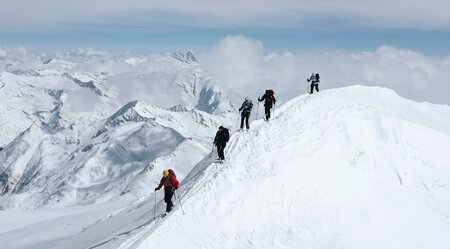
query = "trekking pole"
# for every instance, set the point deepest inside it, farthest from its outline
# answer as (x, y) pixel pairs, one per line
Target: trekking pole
(274, 107)
(257, 111)
(154, 208)
(179, 200)
(307, 86)
(237, 125)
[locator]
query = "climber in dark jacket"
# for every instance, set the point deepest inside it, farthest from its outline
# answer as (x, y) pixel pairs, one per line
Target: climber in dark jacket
(220, 141)
(245, 110)
(269, 102)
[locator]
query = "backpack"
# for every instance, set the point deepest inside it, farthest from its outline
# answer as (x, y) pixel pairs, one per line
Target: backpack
(224, 135)
(270, 92)
(270, 96)
(173, 181)
(317, 77)
(248, 105)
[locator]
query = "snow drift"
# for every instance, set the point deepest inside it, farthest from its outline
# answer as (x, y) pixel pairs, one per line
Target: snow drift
(355, 167)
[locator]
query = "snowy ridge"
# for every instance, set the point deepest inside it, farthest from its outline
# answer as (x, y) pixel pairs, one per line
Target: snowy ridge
(84, 84)
(334, 170)
(129, 112)
(10, 179)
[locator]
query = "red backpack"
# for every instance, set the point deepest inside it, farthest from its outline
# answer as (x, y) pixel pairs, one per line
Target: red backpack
(172, 179)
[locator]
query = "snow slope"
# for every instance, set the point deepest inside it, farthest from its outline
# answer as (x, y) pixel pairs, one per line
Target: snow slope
(44, 228)
(356, 167)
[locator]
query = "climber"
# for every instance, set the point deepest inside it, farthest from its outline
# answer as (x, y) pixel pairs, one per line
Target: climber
(315, 79)
(221, 139)
(170, 183)
(269, 102)
(246, 109)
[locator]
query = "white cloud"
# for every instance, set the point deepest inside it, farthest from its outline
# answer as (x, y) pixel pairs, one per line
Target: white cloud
(240, 63)
(81, 100)
(432, 14)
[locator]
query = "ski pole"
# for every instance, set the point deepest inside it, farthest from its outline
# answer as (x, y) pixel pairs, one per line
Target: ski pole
(257, 111)
(307, 86)
(154, 208)
(273, 112)
(179, 200)
(237, 125)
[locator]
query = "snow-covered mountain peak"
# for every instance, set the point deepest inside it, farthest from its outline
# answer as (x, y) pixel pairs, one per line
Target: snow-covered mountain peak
(179, 108)
(133, 111)
(187, 57)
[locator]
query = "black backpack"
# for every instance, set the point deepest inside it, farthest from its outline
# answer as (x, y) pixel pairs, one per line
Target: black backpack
(270, 92)
(317, 77)
(224, 135)
(270, 96)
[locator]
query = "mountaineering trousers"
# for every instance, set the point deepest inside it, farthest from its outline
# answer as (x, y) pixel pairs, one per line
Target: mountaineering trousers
(168, 194)
(220, 149)
(267, 110)
(245, 116)
(314, 85)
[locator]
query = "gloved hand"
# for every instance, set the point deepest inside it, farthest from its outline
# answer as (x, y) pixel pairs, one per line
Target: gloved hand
(156, 189)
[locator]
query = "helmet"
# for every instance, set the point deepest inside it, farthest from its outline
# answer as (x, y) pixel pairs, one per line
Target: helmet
(165, 173)
(247, 98)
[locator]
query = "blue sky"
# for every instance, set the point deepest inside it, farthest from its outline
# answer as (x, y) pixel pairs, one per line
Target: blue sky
(174, 38)
(283, 25)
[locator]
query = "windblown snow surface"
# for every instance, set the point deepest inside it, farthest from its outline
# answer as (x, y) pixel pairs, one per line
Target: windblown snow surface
(355, 167)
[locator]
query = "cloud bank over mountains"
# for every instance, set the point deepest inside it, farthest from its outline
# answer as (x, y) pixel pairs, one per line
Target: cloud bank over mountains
(242, 64)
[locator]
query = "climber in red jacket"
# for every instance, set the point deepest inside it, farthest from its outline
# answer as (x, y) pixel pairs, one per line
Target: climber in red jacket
(170, 183)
